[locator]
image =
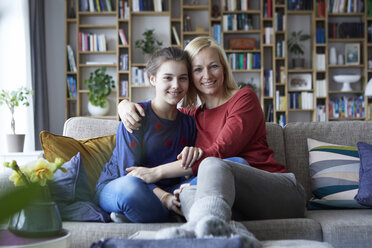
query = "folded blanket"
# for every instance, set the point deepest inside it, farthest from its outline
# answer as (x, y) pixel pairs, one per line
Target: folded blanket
(218, 242)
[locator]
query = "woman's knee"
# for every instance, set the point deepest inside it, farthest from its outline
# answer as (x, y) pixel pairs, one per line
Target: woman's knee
(212, 164)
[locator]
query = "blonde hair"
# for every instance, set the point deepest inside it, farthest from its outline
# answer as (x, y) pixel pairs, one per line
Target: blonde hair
(193, 48)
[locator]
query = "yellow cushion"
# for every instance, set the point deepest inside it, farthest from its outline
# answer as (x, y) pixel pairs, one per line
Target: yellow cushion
(95, 152)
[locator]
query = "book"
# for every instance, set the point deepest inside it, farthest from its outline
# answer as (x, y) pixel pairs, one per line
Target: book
(175, 34)
(71, 59)
(108, 4)
(123, 38)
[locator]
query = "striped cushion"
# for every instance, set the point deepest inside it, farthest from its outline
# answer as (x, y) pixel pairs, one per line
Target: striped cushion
(334, 171)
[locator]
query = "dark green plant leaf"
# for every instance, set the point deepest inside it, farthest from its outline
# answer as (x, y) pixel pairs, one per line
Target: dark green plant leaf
(13, 201)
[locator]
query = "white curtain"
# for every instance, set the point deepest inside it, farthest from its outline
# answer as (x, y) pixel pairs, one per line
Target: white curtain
(15, 68)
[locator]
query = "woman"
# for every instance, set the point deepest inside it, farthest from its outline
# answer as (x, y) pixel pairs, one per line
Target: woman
(165, 133)
(230, 122)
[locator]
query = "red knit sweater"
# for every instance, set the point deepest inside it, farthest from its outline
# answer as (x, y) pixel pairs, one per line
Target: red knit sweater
(235, 129)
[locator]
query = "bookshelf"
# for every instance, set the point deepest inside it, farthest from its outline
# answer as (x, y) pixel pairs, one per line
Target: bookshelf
(265, 27)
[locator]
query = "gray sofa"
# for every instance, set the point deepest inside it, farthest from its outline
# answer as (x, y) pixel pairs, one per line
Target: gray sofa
(341, 228)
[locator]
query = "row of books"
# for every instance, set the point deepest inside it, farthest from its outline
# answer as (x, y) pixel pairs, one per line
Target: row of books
(124, 9)
(269, 112)
(71, 59)
(268, 8)
(123, 37)
(123, 88)
(347, 107)
(147, 5)
(237, 22)
(268, 83)
(369, 33)
(92, 42)
(244, 61)
(139, 76)
(232, 5)
(320, 36)
(280, 48)
(123, 62)
(320, 62)
(301, 100)
(279, 21)
(299, 5)
(269, 35)
(71, 87)
(282, 120)
(320, 9)
(96, 5)
(321, 88)
(175, 36)
(346, 6)
(321, 115)
(280, 102)
(216, 33)
(281, 77)
(346, 30)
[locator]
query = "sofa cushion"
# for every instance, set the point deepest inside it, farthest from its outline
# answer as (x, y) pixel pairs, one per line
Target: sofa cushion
(334, 171)
(364, 195)
(71, 191)
(71, 185)
(95, 152)
(345, 228)
(348, 133)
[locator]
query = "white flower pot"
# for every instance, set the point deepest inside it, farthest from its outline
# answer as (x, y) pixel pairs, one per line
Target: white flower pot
(96, 110)
(15, 142)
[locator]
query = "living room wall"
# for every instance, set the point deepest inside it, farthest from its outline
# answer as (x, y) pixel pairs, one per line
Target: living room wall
(55, 57)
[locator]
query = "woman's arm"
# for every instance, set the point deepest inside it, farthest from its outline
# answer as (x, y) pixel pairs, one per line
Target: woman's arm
(130, 114)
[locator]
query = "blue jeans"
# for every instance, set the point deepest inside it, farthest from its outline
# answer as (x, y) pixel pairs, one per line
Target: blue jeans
(132, 197)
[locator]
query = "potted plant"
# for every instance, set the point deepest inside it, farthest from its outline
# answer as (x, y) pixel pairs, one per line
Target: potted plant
(14, 99)
(99, 85)
(296, 48)
(148, 44)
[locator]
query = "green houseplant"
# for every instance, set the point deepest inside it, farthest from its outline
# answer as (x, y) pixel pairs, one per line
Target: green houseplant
(295, 46)
(99, 85)
(13, 99)
(149, 43)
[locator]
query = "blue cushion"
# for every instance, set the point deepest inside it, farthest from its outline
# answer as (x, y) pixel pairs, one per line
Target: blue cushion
(334, 171)
(364, 195)
(72, 185)
(71, 192)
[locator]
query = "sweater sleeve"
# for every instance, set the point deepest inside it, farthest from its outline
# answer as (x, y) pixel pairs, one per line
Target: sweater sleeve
(244, 118)
(127, 153)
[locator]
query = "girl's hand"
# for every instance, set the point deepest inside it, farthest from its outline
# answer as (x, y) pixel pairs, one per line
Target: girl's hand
(129, 113)
(170, 202)
(146, 174)
(189, 155)
(177, 192)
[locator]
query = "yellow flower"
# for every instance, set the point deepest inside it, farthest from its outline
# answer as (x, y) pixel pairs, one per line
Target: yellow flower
(16, 179)
(41, 171)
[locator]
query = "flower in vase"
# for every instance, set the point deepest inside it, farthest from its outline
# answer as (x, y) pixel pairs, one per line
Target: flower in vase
(39, 172)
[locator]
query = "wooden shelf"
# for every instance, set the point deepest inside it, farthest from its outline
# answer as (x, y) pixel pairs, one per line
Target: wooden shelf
(86, 22)
(93, 26)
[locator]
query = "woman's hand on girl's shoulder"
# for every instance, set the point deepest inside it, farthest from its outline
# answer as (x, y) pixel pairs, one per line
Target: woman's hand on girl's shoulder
(189, 156)
(130, 114)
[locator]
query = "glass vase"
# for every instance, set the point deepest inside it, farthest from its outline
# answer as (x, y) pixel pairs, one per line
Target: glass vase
(41, 218)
